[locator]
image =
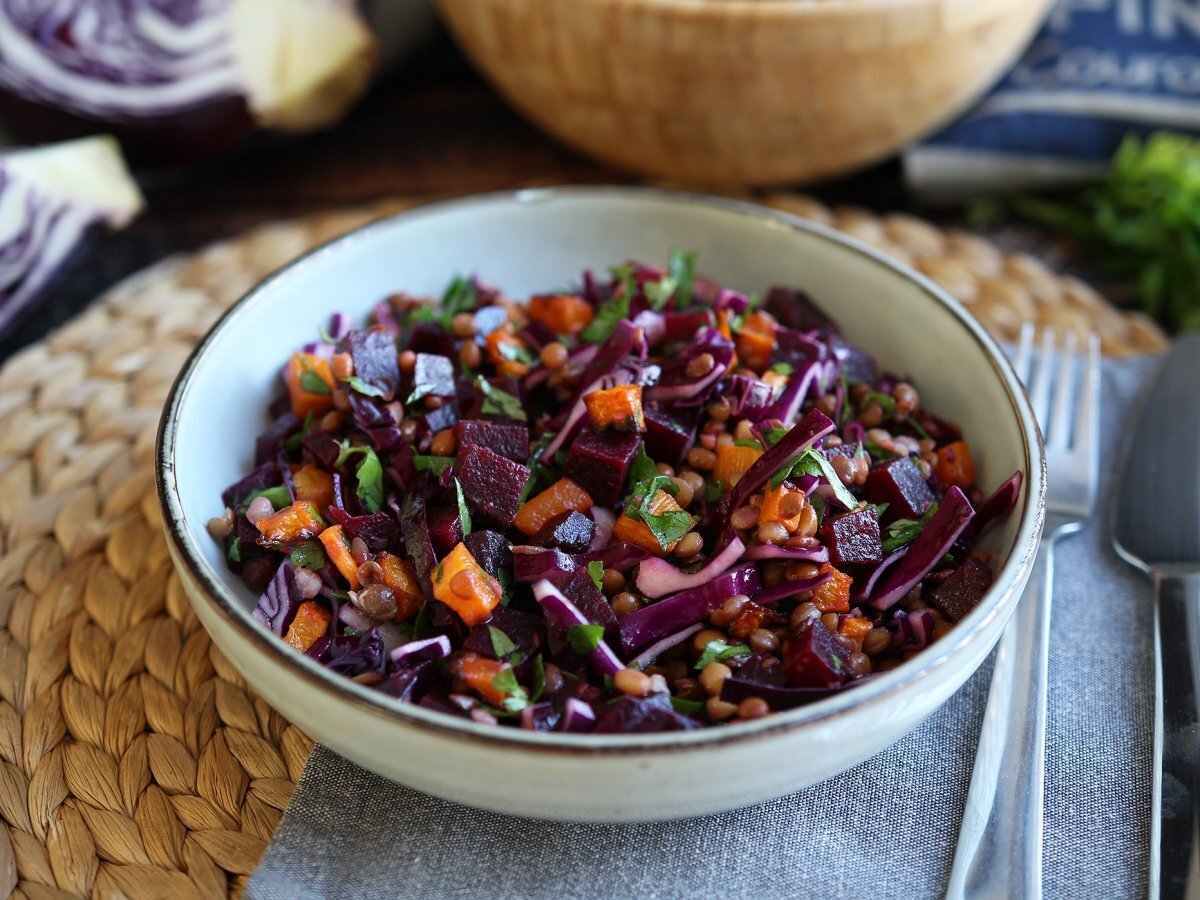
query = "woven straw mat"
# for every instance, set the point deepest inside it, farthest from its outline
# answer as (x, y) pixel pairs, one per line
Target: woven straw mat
(133, 759)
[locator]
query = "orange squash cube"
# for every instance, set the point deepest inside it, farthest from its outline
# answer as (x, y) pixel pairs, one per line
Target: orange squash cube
(464, 586)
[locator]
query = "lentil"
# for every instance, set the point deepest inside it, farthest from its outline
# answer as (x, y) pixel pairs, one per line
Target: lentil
(728, 611)
(470, 355)
(805, 613)
(407, 361)
(744, 517)
(906, 399)
(376, 601)
(694, 480)
(463, 325)
(699, 366)
(685, 495)
(370, 572)
(358, 551)
(553, 678)
(772, 533)
(872, 415)
(753, 708)
(763, 641)
(718, 710)
(444, 443)
(719, 410)
(221, 526)
(713, 676)
(689, 545)
(701, 459)
(877, 640)
(632, 682)
(332, 421)
(612, 582)
(623, 604)
(703, 638)
(554, 355)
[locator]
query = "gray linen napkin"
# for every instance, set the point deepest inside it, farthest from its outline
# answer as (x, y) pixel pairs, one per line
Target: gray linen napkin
(884, 829)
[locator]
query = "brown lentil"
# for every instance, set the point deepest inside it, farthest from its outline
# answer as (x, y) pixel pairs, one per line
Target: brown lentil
(872, 415)
(718, 710)
(553, 678)
(827, 404)
(684, 494)
(407, 361)
(332, 421)
(432, 402)
(744, 430)
(763, 641)
(444, 443)
(728, 611)
(554, 355)
(463, 325)
(774, 572)
(719, 410)
(703, 638)
(701, 365)
(724, 440)
(798, 570)
(470, 356)
(632, 682)
(689, 545)
(689, 689)
(675, 670)
(848, 643)
(370, 572)
(906, 399)
(876, 641)
(791, 504)
(808, 522)
(713, 676)
(744, 517)
(664, 469)
(803, 614)
(753, 708)
(701, 459)
(612, 582)
(694, 480)
(623, 604)
(341, 399)
(359, 551)
(859, 665)
(376, 601)
(221, 526)
(772, 533)
(830, 621)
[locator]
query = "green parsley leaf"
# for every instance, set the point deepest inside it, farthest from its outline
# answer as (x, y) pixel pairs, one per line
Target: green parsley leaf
(420, 391)
(774, 435)
(464, 514)
(419, 314)
(326, 337)
(879, 452)
(369, 475)
(292, 444)
(812, 462)
(517, 353)
(643, 468)
(363, 387)
(820, 507)
(584, 638)
(886, 402)
(904, 531)
(682, 270)
(686, 707)
(541, 475)
(719, 651)
(783, 368)
(666, 527)
(313, 383)
(502, 644)
(500, 403)
(537, 680)
(596, 570)
(461, 296)
(659, 293)
(613, 310)
(747, 442)
(279, 497)
(309, 555)
(433, 464)
(506, 682)
(235, 550)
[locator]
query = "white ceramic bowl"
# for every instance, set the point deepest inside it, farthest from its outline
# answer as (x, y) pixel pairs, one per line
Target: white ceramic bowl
(530, 241)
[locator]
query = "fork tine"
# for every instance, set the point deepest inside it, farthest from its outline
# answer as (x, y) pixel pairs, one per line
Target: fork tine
(1039, 389)
(1087, 418)
(1024, 357)
(1058, 426)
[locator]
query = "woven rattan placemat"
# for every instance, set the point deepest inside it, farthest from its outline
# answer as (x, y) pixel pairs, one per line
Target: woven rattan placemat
(133, 759)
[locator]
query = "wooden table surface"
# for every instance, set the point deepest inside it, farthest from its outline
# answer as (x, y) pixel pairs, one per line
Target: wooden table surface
(429, 129)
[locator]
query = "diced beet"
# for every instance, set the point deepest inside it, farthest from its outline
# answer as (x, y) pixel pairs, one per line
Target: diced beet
(491, 484)
(899, 484)
(538, 335)
(962, 591)
(491, 550)
(270, 442)
(939, 430)
(471, 398)
(853, 538)
(632, 715)
(582, 591)
(814, 658)
(379, 531)
(509, 439)
(526, 630)
(857, 366)
(795, 309)
(372, 416)
(433, 375)
(322, 447)
(683, 326)
(848, 450)
(265, 476)
(407, 684)
(416, 541)
(429, 337)
(445, 416)
(445, 528)
(375, 361)
(570, 532)
(599, 463)
(668, 436)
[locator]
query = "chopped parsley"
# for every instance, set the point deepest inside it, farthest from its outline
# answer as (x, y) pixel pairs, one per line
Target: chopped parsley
(904, 531)
(667, 527)
(783, 368)
(500, 403)
(309, 555)
(686, 707)
(235, 550)
(537, 680)
(881, 453)
(461, 296)
(584, 638)
(516, 699)
(502, 644)
(434, 464)
(279, 497)
(363, 387)
(812, 462)
(464, 514)
(719, 651)
(312, 383)
(886, 402)
(682, 270)
(369, 475)
(596, 570)
(613, 310)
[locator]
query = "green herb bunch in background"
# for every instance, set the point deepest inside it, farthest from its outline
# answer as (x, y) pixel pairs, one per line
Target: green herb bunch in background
(1143, 222)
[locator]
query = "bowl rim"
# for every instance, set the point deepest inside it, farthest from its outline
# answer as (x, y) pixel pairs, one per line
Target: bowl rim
(885, 688)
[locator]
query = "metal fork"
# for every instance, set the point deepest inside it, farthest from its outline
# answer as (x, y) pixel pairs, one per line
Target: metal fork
(999, 851)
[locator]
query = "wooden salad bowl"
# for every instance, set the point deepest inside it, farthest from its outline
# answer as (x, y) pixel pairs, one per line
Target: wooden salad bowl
(752, 92)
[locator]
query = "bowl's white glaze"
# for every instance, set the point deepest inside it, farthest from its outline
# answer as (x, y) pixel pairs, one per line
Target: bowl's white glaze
(531, 241)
